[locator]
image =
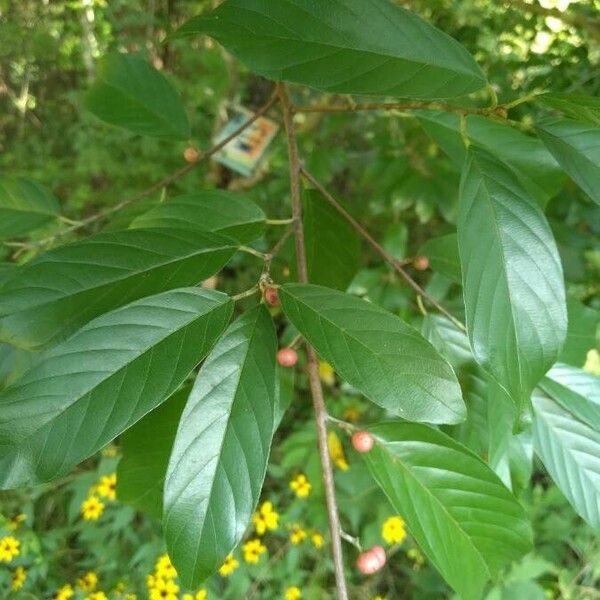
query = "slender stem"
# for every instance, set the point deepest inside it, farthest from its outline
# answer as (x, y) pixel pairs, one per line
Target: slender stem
(249, 292)
(393, 262)
(351, 540)
(313, 366)
(257, 253)
(163, 182)
(279, 221)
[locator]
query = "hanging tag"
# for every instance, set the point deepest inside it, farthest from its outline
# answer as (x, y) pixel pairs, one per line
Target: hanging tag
(244, 153)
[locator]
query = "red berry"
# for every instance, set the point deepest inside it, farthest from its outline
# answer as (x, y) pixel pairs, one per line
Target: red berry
(272, 296)
(379, 553)
(191, 155)
(287, 357)
(421, 263)
(370, 561)
(363, 441)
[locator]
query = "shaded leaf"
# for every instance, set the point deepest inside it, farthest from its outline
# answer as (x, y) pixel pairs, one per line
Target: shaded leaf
(219, 458)
(145, 449)
(327, 46)
(533, 165)
(570, 451)
(462, 516)
(575, 106)
(24, 205)
(103, 379)
(332, 245)
(376, 352)
(576, 391)
(218, 211)
(576, 146)
(512, 277)
(582, 333)
(442, 253)
(64, 288)
(130, 93)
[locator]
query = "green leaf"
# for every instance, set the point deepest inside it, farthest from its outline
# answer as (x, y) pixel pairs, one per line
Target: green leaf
(376, 352)
(461, 515)
(332, 245)
(582, 333)
(576, 391)
(570, 451)
(575, 106)
(442, 253)
(13, 363)
(450, 342)
(533, 165)
(576, 146)
(56, 293)
(92, 387)
(130, 93)
(24, 205)
(327, 46)
(512, 277)
(218, 211)
(220, 454)
(146, 448)
(7, 270)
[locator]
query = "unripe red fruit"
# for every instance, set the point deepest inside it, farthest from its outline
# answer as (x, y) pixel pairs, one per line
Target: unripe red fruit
(371, 561)
(287, 357)
(272, 296)
(421, 263)
(363, 441)
(191, 155)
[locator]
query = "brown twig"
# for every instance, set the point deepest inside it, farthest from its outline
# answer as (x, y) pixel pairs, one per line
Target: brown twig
(393, 262)
(313, 367)
(159, 184)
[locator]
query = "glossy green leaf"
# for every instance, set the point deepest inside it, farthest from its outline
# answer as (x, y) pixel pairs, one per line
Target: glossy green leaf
(103, 379)
(24, 205)
(7, 270)
(462, 516)
(64, 288)
(575, 106)
(442, 253)
(376, 352)
(576, 391)
(570, 451)
(131, 93)
(512, 277)
(13, 363)
(448, 340)
(218, 211)
(220, 454)
(583, 333)
(534, 166)
(146, 448)
(576, 146)
(332, 245)
(327, 46)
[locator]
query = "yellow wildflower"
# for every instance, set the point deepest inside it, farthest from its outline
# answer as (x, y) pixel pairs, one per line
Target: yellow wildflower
(293, 593)
(88, 582)
(199, 595)
(229, 566)
(336, 451)
(96, 596)
(120, 587)
(352, 414)
(252, 550)
(64, 593)
(18, 578)
(92, 508)
(301, 486)
(14, 522)
(393, 530)
(317, 539)
(378, 598)
(164, 589)
(298, 535)
(150, 581)
(265, 518)
(107, 488)
(326, 373)
(9, 548)
(164, 568)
